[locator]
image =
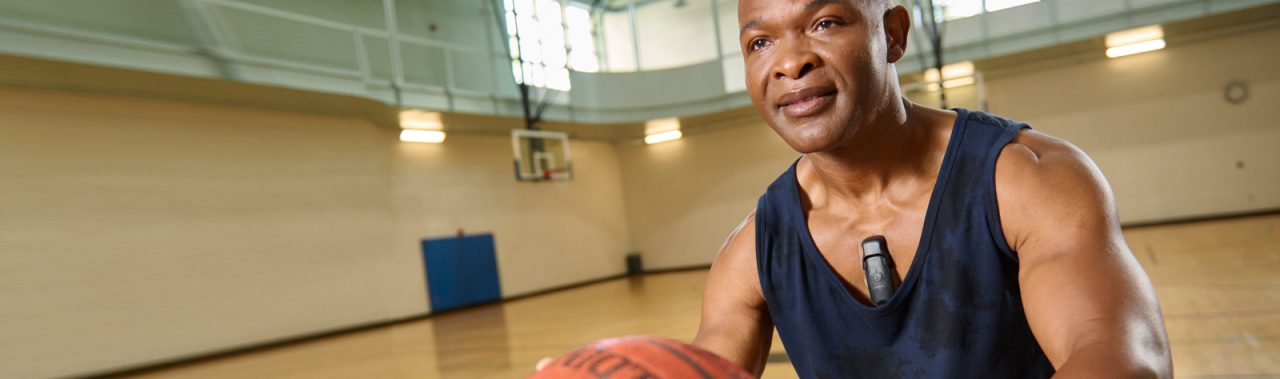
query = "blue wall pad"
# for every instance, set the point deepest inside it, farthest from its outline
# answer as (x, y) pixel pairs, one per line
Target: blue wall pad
(461, 271)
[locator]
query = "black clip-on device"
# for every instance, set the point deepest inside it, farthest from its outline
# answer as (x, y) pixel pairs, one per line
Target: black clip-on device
(877, 265)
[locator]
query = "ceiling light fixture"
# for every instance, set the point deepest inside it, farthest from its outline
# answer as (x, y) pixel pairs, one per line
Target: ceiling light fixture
(423, 136)
(663, 137)
(1135, 41)
(953, 75)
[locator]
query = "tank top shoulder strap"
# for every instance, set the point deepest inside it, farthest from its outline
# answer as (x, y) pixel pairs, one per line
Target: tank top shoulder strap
(982, 139)
(775, 224)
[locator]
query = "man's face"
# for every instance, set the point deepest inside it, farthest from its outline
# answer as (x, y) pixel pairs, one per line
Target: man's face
(815, 68)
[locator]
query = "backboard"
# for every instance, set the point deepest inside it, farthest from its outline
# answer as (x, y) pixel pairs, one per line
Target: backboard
(541, 155)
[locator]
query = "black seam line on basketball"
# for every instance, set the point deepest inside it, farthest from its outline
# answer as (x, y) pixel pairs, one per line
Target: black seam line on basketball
(683, 357)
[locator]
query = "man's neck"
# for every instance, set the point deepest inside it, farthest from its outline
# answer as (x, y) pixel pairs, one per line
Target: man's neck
(891, 156)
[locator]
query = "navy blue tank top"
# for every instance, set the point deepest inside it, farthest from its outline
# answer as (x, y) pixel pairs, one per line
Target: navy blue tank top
(958, 312)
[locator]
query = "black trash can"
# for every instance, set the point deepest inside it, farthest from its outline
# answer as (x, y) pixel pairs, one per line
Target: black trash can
(634, 267)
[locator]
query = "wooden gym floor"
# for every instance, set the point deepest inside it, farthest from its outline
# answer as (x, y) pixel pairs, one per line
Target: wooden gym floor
(1217, 282)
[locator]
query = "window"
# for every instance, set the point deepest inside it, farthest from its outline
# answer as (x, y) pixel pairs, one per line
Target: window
(957, 9)
(582, 48)
(546, 39)
(995, 5)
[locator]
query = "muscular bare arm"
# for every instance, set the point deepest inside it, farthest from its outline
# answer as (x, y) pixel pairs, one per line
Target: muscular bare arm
(735, 321)
(1088, 302)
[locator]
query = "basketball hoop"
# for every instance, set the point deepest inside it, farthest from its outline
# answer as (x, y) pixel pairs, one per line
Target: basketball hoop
(559, 173)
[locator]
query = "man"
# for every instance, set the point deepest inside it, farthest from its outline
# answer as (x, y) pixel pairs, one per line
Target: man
(1005, 240)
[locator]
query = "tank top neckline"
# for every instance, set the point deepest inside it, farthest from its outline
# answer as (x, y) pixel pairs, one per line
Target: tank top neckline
(926, 233)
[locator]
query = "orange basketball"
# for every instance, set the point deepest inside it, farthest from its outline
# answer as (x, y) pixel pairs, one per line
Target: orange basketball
(640, 357)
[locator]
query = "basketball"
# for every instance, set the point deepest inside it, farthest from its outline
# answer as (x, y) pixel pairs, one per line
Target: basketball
(640, 357)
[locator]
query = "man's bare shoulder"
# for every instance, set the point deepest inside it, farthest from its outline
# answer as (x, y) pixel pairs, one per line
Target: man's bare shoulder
(1043, 181)
(743, 238)
(1033, 153)
(735, 321)
(735, 264)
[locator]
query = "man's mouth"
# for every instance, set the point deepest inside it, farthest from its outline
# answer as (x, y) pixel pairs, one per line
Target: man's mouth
(807, 101)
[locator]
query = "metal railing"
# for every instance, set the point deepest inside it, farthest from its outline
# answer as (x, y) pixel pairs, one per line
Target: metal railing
(212, 10)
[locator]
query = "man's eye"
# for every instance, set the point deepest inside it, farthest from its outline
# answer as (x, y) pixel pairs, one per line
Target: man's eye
(756, 44)
(824, 25)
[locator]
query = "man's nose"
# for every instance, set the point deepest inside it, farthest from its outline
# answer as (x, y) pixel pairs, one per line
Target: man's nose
(796, 61)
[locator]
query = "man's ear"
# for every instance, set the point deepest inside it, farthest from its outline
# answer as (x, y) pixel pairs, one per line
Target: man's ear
(897, 22)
